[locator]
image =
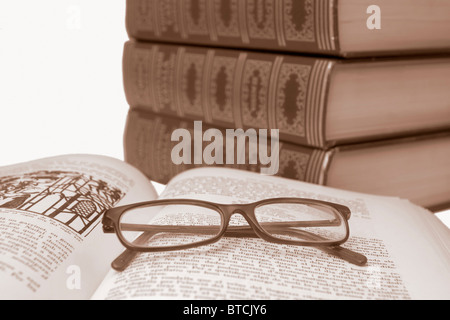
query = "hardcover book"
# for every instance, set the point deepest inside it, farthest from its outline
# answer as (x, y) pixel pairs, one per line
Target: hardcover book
(416, 168)
(317, 102)
(342, 28)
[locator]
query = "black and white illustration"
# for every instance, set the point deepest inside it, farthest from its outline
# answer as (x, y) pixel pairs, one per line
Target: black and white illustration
(74, 199)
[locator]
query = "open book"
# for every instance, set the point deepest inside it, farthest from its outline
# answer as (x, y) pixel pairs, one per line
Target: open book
(52, 245)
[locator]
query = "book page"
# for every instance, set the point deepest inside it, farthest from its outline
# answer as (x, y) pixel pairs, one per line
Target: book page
(405, 260)
(51, 241)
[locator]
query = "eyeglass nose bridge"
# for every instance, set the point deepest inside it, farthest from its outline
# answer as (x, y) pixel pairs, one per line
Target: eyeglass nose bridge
(248, 213)
(244, 210)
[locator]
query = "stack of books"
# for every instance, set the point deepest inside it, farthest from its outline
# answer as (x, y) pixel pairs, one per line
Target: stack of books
(360, 93)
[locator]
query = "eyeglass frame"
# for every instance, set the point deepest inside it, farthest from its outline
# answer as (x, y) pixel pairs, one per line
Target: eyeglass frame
(112, 217)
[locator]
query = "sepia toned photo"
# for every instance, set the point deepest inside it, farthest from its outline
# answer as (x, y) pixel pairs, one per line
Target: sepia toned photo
(225, 158)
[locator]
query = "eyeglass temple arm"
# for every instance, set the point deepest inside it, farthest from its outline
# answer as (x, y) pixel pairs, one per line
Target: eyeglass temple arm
(124, 259)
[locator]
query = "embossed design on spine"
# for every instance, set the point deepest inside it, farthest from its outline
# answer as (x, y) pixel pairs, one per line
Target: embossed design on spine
(196, 19)
(291, 98)
(221, 90)
(144, 17)
(137, 76)
(254, 93)
(164, 68)
(291, 24)
(226, 18)
(293, 164)
(261, 19)
(167, 18)
(299, 20)
(239, 89)
(191, 83)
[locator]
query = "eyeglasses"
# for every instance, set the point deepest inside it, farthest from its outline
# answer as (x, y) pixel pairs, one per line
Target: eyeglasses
(177, 224)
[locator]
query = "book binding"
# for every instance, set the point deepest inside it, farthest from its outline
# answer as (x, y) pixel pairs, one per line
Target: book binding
(148, 146)
(292, 25)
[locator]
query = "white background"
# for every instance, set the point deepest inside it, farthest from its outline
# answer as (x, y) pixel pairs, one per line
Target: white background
(61, 79)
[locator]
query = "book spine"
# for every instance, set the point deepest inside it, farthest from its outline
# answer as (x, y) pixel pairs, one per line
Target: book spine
(231, 89)
(148, 146)
(306, 26)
